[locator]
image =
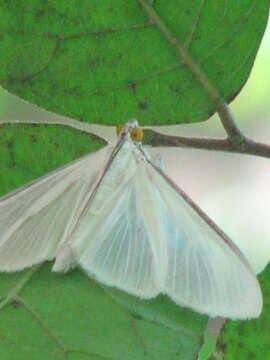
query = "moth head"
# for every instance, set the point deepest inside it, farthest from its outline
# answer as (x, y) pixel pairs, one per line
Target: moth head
(136, 133)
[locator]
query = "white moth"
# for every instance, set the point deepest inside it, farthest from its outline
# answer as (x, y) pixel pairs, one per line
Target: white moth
(127, 225)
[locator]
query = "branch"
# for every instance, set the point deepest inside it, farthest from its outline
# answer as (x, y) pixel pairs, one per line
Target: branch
(236, 140)
(246, 146)
(212, 331)
(222, 109)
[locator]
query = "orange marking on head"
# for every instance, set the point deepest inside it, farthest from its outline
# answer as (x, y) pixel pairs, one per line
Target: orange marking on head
(119, 128)
(136, 134)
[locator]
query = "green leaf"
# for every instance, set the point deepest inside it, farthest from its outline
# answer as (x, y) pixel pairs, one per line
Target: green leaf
(44, 315)
(30, 151)
(249, 340)
(105, 62)
(69, 315)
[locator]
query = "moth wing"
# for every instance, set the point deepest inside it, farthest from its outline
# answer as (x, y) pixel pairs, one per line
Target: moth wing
(112, 242)
(205, 270)
(36, 219)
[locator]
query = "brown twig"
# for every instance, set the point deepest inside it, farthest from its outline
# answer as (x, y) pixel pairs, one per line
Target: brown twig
(247, 146)
(236, 141)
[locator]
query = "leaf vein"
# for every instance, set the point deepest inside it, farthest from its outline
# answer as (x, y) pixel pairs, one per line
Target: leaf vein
(42, 324)
(194, 25)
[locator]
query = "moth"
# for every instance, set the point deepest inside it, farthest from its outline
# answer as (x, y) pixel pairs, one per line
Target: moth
(129, 226)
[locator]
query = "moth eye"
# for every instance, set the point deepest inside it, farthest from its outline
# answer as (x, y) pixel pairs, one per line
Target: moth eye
(136, 134)
(119, 129)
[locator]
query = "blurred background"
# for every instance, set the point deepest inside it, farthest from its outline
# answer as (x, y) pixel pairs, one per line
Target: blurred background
(233, 189)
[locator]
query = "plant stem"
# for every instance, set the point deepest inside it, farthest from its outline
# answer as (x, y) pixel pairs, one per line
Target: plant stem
(223, 110)
(236, 140)
(247, 146)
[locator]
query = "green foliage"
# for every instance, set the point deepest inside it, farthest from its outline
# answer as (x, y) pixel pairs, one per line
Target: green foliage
(69, 316)
(249, 340)
(30, 151)
(104, 62)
